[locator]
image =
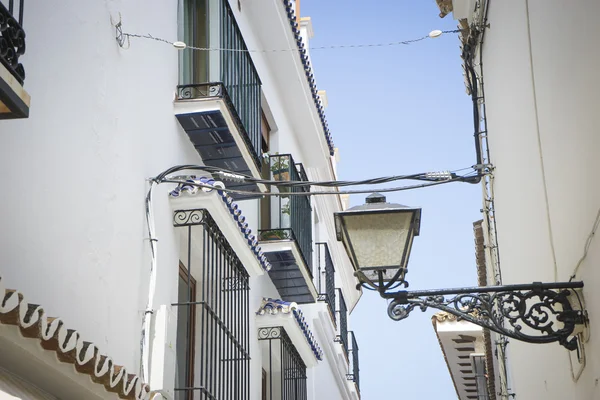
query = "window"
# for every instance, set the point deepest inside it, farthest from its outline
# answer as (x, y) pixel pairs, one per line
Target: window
(265, 131)
(195, 32)
(213, 337)
(285, 377)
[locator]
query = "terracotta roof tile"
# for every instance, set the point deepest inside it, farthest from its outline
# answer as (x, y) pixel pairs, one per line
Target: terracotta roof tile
(69, 346)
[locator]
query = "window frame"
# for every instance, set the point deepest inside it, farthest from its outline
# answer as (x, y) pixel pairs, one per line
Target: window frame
(186, 275)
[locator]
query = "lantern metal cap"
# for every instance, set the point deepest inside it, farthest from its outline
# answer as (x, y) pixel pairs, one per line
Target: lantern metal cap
(376, 202)
(375, 198)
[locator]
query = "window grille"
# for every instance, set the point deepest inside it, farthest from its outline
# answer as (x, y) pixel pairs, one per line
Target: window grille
(286, 372)
(218, 366)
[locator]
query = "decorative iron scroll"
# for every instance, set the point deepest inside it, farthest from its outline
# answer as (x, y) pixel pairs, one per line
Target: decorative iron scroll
(507, 310)
(189, 217)
(196, 91)
(12, 43)
(273, 332)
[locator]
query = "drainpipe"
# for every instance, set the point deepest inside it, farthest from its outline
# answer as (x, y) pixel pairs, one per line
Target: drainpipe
(147, 318)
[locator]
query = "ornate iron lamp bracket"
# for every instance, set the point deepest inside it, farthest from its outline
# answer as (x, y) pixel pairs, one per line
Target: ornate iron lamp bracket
(534, 313)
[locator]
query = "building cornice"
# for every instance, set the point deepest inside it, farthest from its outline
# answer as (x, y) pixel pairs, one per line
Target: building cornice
(310, 77)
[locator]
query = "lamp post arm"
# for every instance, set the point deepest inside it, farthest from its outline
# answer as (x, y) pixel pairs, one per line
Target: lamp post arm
(534, 313)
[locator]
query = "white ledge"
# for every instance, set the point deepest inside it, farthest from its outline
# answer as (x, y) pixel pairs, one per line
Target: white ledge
(213, 203)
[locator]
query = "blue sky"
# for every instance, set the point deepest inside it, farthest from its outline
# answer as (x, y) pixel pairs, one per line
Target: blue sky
(399, 110)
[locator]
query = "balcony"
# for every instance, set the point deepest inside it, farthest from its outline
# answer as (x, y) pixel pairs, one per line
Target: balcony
(354, 365)
(218, 102)
(325, 278)
(287, 240)
(342, 323)
(14, 100)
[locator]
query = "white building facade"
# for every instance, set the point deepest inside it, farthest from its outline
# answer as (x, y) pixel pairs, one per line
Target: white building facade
(536, 98)
(168, 286)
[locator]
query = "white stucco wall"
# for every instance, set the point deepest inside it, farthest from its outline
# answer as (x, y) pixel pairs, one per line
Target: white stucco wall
(73, 231)
(542, 95)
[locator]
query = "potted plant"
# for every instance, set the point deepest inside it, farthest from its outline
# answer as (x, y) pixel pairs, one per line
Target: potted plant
(274, 234)
(285, 209)
(280, 167)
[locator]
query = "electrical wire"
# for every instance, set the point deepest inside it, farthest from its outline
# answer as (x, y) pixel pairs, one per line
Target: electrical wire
(243, 178)
(539, 144)
(185, 180)
(124, 35)
(319, 193)
(586, 248)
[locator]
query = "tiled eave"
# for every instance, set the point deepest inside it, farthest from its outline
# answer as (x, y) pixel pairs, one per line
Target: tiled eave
(274, 312)
(245, 244)
(310, 77)
(435, 319)
(69, 347)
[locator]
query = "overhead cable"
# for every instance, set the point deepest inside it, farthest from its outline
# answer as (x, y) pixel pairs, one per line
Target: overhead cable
(227, 175)
(124, 36)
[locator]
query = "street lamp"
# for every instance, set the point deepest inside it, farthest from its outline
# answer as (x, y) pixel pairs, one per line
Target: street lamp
(378, 237)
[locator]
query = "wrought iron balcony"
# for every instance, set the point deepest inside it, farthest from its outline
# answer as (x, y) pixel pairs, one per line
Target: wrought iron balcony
(326, 278)
(219, 98)
(354, 365)
(302, 173)
(287, 242)
(342, 325)
(14, 100)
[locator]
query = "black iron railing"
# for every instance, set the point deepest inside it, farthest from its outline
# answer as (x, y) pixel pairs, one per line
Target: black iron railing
(238, 81)
(293, 212)
(12, 38)
(302, 175)
(219, 90)
(218, 359)
(326, 277)
(240, 77)
(354, 365)
(342, 324)
(286, 372)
